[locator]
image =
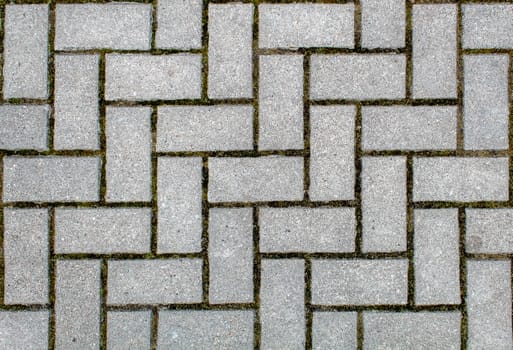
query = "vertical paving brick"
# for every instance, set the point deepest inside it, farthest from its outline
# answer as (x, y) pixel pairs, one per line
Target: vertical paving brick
(280, 102)
(384, 204)
(76, 102)
(434, 51)
(488, 26)
(436, 256)
(179, 205)
(128, 330)
(334, 330)
(178, 24)
(25, 65)
(77, 304)
(485, 101)
(489, 304)
(230, 255)
(27, 330)
(383, 23)
(332, 153)
(230, 65)
(24, 127)
(282, 313)
(489, 231)
(25, 256)
(128, 166)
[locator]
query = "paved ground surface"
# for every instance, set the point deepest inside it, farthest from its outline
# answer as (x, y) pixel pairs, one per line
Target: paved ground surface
(220, 175)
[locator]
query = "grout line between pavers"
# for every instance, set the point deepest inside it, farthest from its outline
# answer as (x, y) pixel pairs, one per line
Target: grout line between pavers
(359, 330)
(2, 226)
(358, 179)
(409, 49)
(463, 278)
(154, 328)
(460, 81)
(410, 231)
(51, 76)
(52, 276)
(257, 263)
(154, 182)
(103, 304)
(510, 126)
(308, 303)
(103, 133)
(204, 51)
(306, 127)
(204, 235)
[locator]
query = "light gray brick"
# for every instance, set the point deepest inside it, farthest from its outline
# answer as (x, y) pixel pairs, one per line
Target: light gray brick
(77, 115)
(230, 64)
(434, 51)
(282, 311)
(158, 281)
(489, 304)
(359, 282)
(411, 330)
(27, 330)
(140, 77)
(117, 26)
(205, 128)
(485, 101)
(51, 179)
(24, 127)
(25, 48)
(436, 256)
(460, 179)
(383, 204)
(102, 230)
(230, 255)
(383, 23)
(334, 330)
(205, 330)
(77, 304)
(280, 102)
(25, 256)
(332, 167)
(489, 231)
(179, 197)
(409, 127)
(358, 76)
(129, 330)
(307, 229)
(487, 26)
(128, 167)
(273, 178)
(178, 24)
(305, 25)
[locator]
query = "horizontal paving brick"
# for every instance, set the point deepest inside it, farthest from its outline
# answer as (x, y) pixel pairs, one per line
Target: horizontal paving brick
(359, 282)
(460, 179)
(489, 231)
(51, 179)
(383, 23)
(205, 128)
(26, 330)
(487, 26)
(178, 24)
(357, 76)
(307, 229)
(159, 281)
(142, 77)
(305, 25)
(129, 329)
(24, 127)
(273, 178)
(117, 26)
(332, 330)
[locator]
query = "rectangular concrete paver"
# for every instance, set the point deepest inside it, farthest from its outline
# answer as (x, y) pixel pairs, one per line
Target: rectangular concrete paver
(26, 330)
(487, 26)
(383, 23)
(489, 231)
(24, 127)
(128, 330)
(178, 24)
(332, 330)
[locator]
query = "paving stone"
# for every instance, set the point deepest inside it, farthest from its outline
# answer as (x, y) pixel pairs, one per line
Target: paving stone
(27, 330)
(230, 255)
(485, 101)
(205, 330)
(51, 179)
(273, 178)
(128, 330)
(409, 127)
(282, 312)
(307, 229)
(489, 231)
(158, 281)
(487, 26)
(77, 114)
(280, 102)
(383, 23)
(205, 128)
(25, 51)
(460, 179)
(128, 167)
(359, 281)
(411, 330)
(178, 24)
(25, 252)
(24, 127)
(305, 25)
(117, 26)
(434, 51)
(230, 54)
(141, 77)
(489, 304)
(334, 330)
(179, 197)
(436, 256)
(357, 77)
(102, 230)
(332, 171)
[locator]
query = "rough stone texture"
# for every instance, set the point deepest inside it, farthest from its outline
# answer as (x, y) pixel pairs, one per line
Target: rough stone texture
(178, 24)
(487, 26)
(24, 127)
(334, 330)
(489, 231)
(27, 330)
(128, 330)
(383, 23)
